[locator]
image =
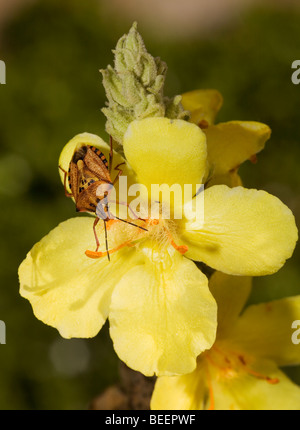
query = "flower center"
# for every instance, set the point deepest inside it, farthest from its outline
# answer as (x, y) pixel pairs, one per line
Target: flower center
(160, 231)
(229, 365)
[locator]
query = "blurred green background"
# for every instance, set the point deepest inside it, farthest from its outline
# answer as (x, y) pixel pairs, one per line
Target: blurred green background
(53, 51)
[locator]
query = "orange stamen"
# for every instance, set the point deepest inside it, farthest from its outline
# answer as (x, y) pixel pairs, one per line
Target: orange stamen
(211, 397)
(99, 254)
(257, 374)
(211, 406)
(269, 380)
(180, 248)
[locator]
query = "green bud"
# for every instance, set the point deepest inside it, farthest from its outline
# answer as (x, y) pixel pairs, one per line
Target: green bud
(134, 87)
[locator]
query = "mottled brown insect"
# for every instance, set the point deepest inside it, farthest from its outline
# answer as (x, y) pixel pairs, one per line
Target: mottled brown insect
(89, 169)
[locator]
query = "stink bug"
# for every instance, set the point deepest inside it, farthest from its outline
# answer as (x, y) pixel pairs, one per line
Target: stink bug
(88, 170)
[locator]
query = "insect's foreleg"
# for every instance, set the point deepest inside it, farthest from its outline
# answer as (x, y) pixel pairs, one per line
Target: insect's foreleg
(111, 154)
(67, 194)
(95, 233)
(106, 243)
(97, 240)
(102, 212)
(120, 171)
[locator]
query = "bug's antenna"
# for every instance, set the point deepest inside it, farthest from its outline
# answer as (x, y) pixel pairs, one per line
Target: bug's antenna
(106, 243)
(131, 223)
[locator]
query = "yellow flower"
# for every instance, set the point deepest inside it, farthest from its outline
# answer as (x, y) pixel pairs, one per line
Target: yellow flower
(241, 370)
(230, 143)
(161, 312)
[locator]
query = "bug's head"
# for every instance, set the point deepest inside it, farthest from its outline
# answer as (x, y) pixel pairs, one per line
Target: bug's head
(79, 153)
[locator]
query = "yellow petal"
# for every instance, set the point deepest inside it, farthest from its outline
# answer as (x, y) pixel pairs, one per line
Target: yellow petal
(231, 294)
(203, 105)
(96, 141)
(164, 151)
(184, 392)
(162, 315)
(266, 330)
(68, 290)
(247, 392)
(229, 144)
(245, 232)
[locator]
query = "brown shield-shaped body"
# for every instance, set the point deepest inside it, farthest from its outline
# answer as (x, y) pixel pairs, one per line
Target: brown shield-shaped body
(87, 171)
(90, 182)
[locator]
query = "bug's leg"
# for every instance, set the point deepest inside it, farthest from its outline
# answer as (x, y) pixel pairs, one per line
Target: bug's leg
(101, 214)
(111, 153)
(120, 171)
(106, 243)
(95, 233)
(67, 194)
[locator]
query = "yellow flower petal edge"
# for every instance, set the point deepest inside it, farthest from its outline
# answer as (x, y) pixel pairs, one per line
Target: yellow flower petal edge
(203, 105)
(231, 294)
(164, 151)
(266, 330)
(229, 144)
(66, 289)
(162, 316)
(245, 232)
(68, 150)
(96, 141)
